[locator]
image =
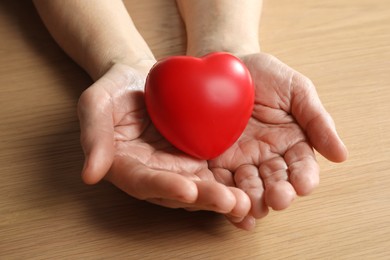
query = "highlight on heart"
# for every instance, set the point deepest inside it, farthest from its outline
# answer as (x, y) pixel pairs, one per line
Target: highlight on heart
(200, 105)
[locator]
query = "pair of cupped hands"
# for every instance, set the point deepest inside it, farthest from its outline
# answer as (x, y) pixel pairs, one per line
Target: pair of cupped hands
(271, 163)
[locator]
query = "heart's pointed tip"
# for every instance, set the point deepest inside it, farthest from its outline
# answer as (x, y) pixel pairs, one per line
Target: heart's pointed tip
(206, 155)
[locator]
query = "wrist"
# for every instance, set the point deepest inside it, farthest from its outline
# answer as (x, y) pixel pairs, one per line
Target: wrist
(226, 26)
(245, 45)
(142, 64)
(141, 61)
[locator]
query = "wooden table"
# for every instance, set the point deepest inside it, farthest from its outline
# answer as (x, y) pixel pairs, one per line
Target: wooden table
(46, 212)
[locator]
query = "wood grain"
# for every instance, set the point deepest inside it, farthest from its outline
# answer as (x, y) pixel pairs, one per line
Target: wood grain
(46, 212)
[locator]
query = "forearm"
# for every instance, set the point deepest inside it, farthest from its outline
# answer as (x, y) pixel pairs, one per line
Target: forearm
(96, 34)
(221, 25)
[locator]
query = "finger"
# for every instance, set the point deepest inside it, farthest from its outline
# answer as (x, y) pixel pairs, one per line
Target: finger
(173, 204)
(303, 167)
(308, 110)
(243, 201)
(212, 196)
(247, 179)
(223, 176)
(97, 133)
(247, 223)
(145, 183)
(279, 193)
(242, 205)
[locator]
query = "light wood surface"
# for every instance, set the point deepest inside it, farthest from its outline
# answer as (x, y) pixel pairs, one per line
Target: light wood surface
(46, 212)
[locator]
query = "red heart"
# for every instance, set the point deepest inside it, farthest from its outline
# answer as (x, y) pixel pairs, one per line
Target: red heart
(200, 105)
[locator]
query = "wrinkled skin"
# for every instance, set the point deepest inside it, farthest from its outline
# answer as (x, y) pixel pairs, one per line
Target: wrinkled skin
(271, 163)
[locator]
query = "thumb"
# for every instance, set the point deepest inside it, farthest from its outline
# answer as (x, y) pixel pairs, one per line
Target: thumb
(316, 121)
(97, 133)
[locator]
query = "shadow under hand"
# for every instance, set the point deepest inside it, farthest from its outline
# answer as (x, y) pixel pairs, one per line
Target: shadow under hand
(115, 211)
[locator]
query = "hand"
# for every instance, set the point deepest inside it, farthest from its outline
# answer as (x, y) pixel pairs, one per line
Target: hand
(273, 160)
(122, 146)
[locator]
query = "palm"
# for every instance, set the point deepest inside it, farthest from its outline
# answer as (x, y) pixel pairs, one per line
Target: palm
(137, 143)
(273, 160)
(136, 139)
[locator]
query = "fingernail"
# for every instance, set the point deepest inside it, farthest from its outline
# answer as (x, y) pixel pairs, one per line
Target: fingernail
(251, 222)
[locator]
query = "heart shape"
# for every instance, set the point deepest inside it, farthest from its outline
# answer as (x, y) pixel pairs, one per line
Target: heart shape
(200, 105)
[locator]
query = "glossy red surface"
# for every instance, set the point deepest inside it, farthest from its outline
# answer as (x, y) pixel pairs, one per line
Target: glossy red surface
(200, 105)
